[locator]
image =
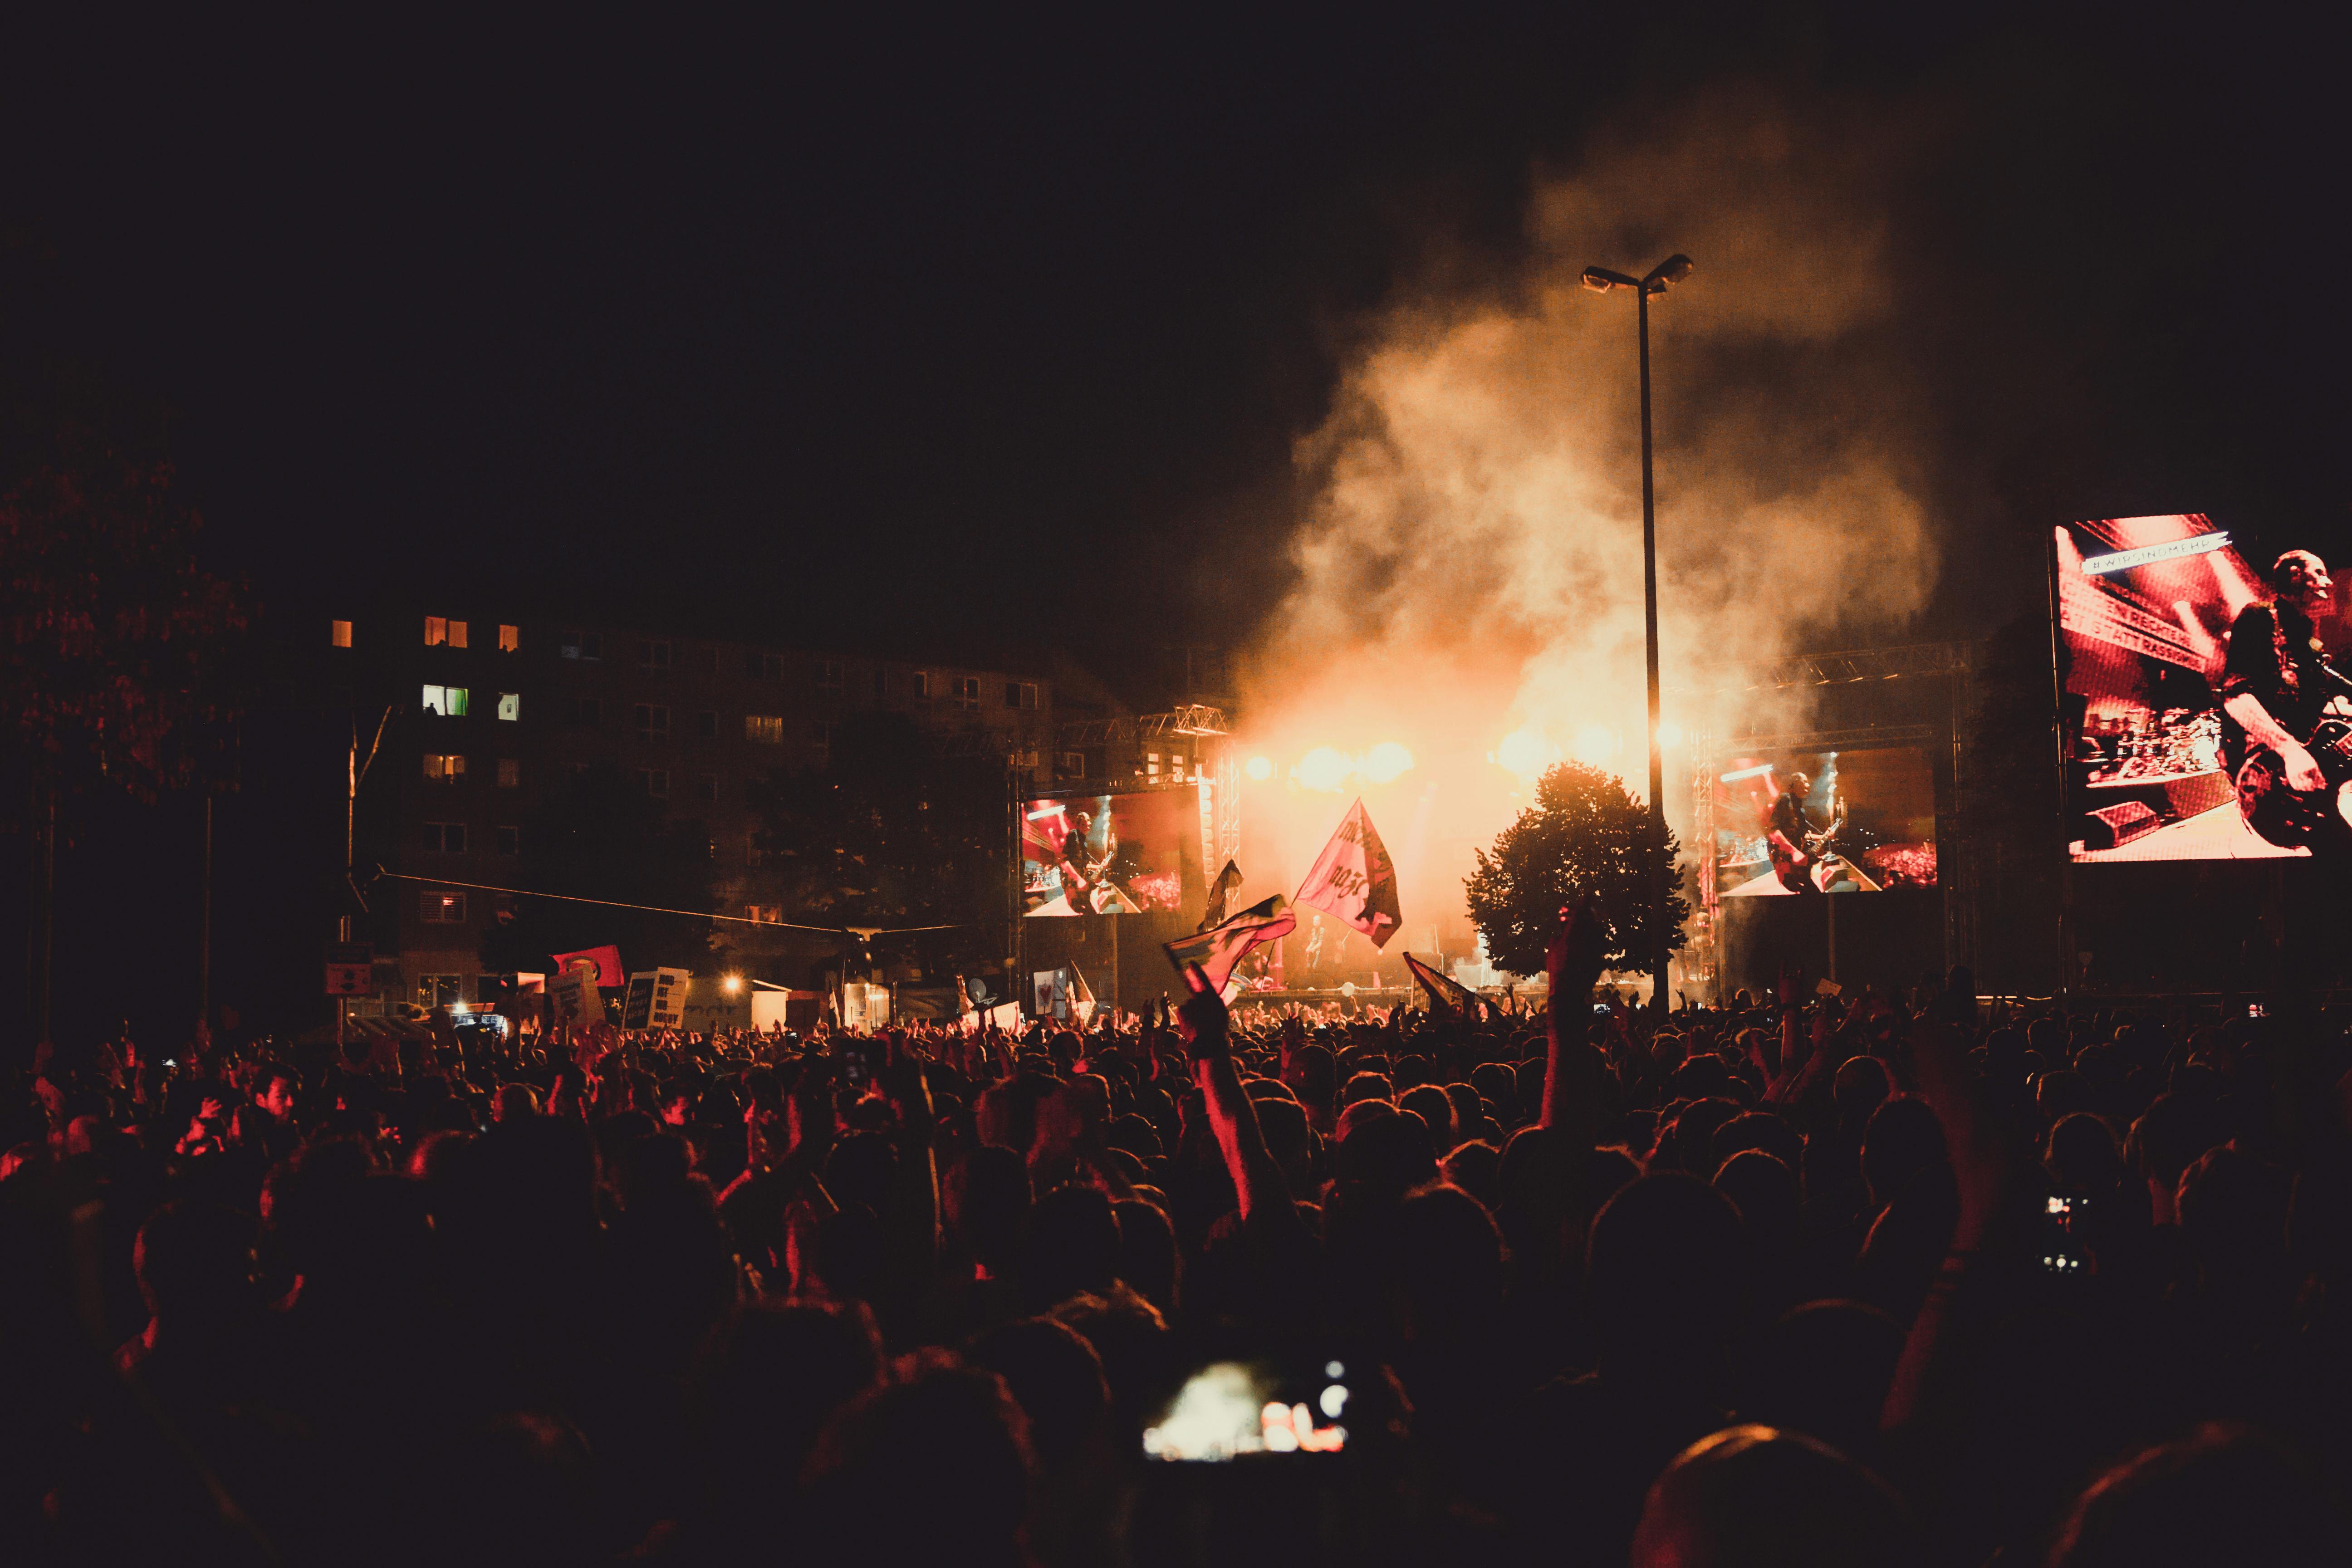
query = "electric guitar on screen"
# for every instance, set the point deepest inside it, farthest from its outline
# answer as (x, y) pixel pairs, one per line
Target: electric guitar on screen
(2277, 810)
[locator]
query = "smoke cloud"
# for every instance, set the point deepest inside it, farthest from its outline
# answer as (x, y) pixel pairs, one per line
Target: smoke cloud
(1469, 565)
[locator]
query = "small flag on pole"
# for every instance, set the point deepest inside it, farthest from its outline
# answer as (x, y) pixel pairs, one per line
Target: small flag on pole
(1445, 993)
(1228, 882)
(1220, 950)
(1354, 881)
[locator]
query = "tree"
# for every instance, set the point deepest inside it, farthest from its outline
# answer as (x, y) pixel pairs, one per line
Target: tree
(897, 830)
(111, 673)
(115, 635)
(1585, 836)
(600, 837)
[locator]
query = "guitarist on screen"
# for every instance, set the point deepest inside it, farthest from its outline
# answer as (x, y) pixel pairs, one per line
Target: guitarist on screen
(2274, 687)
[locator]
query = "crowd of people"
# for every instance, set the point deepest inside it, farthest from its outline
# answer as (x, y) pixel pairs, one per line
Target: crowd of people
(1892, 1278)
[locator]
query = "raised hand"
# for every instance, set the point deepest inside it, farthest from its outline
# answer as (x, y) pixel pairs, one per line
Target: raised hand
(1202, 1021)
(1572, 958)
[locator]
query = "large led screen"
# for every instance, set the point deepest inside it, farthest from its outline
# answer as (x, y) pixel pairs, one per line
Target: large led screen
(2147, 611)
(1795, 824)
(1105, 854)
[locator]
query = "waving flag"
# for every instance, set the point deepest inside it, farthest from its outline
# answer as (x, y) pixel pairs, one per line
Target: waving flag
(1445, 992)
(1354, 881)
(1223, 889)
(607, 962)
(1218, 951)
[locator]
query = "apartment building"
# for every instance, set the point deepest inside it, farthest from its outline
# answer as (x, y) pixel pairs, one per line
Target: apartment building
(482, 717)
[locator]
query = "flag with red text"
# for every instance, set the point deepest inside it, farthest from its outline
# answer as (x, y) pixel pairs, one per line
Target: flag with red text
(1354, 881)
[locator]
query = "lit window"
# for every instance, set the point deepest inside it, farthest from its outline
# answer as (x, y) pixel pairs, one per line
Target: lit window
(436, 631)
(444, 837)
(339, 633)
(509, 840)
(509, 773)
(706, 725)
(436, 907)
(439, 990)
(829, 676)
(1074, 764)
(509, 706)
(653, 656)
(509, 638)
(655, 780)
(444, 769)
(705, 789)
(767, 729)
(766, 914)
(450, 701)
(1021, 694)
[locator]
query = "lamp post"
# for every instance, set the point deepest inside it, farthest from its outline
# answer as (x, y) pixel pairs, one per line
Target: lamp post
(1661, 278)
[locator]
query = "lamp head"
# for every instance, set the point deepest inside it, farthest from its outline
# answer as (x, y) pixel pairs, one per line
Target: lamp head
(1600, 283)
(1669, 272)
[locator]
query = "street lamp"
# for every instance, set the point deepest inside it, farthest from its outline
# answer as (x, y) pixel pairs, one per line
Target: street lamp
(1661, 278)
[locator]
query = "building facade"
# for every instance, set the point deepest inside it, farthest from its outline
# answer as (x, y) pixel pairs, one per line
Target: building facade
(481, 717)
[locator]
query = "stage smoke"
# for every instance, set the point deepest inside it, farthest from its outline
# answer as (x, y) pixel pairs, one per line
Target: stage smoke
(1469, 565)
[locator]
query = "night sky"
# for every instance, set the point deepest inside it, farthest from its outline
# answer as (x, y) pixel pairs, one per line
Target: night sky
(811, 321)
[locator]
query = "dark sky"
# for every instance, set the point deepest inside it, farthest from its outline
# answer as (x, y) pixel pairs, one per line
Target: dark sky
(1007, 325)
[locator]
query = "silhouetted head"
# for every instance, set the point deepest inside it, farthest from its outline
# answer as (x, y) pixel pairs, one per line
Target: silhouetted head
(1664, 1268)
(2223, 1494)
(931, 1466)
(1753, 1497)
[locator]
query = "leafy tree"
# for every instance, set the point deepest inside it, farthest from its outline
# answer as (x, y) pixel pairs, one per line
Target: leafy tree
(110, 673)
(1584, 836)
(600, 837)
(898, 830)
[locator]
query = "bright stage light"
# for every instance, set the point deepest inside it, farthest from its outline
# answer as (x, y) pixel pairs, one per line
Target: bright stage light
(1669, 733)
(1525, 752)
(1386, 760)
(1596, 743)
(1323, 768)
(1259, 768)
(731, 984)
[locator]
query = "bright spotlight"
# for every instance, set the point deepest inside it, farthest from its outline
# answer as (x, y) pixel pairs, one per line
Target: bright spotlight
(1386, 760)
(1525, 752)
(1259, 768)
(1323, 768)
(1596, 743)
(1669, 733)
(731, 984)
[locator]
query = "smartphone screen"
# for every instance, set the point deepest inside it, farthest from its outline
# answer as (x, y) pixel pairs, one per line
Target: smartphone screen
(1230, 1409)
(854, 1063)
(2065, 1243)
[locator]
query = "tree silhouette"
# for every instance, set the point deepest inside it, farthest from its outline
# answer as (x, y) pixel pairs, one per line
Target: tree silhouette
(602, 837)
(1585, 836)
(897, 829)
(109, 674)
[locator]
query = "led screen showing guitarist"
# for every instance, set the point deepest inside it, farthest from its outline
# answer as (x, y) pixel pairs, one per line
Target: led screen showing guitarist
(2288, 760)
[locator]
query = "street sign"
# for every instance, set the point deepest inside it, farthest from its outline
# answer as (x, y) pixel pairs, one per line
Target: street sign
(351, 969)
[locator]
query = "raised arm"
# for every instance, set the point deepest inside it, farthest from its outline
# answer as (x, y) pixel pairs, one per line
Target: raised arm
(1572, 966)
(1265, 1193)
